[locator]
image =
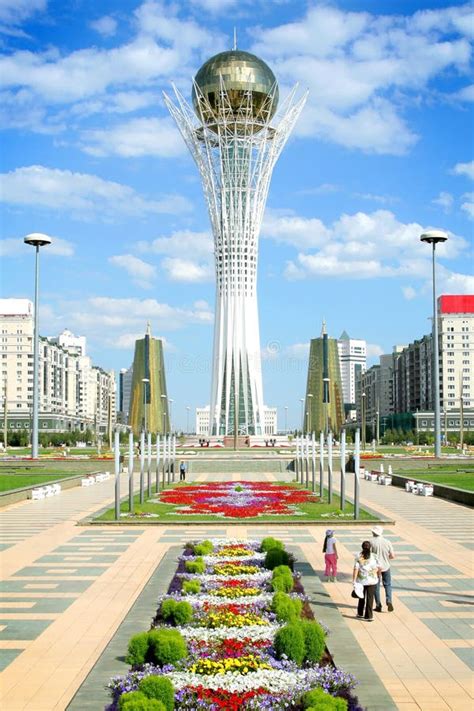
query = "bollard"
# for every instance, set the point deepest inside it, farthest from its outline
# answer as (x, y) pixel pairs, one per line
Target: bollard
(330, 468)
(117, 475)
(174, 458)
(307, 461)
(343, 470)
(313, 463)
(356, 473)
(321, 465)
(296, 458)
(168, 460)
(131, 503)
(164, 461)
(148, 473)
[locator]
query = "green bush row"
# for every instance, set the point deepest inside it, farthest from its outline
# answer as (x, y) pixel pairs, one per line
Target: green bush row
(197, 566)
(282, 579)
(203, 548)
(191, 587)
(286, 608)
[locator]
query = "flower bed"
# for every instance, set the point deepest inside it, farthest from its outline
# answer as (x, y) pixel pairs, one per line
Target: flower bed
(244, 499)
(219, 641)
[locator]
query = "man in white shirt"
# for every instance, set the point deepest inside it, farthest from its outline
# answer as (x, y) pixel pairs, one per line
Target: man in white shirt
(383, 550)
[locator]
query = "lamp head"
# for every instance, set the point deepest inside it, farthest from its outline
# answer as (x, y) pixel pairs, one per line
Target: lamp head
(37, 239)
(434, 236)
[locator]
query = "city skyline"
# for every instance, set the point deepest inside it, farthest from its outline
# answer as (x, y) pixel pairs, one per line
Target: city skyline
(93, 161)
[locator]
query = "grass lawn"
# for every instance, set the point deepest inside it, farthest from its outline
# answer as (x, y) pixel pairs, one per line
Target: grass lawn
(16, 476)
(445, 475)
(167, 512)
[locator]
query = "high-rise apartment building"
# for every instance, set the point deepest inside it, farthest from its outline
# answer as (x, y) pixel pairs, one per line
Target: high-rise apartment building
(352, 362)
(125, 390)
(456, 348)
(73, 393)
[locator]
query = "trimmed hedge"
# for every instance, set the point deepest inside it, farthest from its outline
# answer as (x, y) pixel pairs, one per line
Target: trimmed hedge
(276, 557)
(289, 642)
(287, 609)
(136, 701)
(203, 548)
(178, 613)
(269, 543)
(191, 587)
(197, 566)
(314, 640)
(158, 646)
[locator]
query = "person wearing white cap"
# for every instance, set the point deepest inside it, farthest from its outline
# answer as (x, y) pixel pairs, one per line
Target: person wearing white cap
(383, 549)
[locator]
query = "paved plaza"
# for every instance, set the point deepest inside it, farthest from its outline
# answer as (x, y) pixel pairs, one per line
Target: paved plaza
(67, 589)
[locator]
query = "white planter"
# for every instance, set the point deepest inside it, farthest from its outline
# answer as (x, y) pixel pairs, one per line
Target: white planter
(409, 485)
(387, 481)
(373, 477)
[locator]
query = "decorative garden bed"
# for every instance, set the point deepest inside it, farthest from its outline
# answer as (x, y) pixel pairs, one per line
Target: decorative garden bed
(235, 631)
(249, 500)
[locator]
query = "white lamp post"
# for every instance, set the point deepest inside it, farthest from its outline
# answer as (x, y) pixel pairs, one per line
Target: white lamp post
(286, 419)
(145, 382)
(326, 382)
(188, 409)
(302, 413)
(36, 240)
(310, 405)
(435, 237)
(163, 397)
(170, 403)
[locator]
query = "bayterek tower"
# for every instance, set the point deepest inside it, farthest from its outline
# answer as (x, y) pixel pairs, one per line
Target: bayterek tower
(235, 131)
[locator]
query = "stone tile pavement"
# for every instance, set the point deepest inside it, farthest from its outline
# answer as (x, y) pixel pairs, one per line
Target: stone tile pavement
(66, 590)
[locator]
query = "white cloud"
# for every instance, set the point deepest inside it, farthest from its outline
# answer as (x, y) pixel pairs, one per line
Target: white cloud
(464, 169)
(105, 26)
(142, 272)
(366, 246)
(177, 265)
(468, 204)
(360, 68)
(80, 193)
(288, 228)
(298, 350)
(445, 201)
(382, 199)
(322, 189)
(186, 270)
(15, 247)
(139, 137)
(374, 350)
(14, 12)
(408, 292)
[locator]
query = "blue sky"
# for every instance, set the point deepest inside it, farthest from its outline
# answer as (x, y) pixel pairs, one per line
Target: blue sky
(383, 149)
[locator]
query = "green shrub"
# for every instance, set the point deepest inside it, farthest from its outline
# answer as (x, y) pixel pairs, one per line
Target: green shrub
(282, 579)
(203, 548)
(314, 640)
(177, 613)
(168, 607)
(160, 688)
(276, 557)
(320, 700)
(136, 701)
(289, 641)
(195, 566)
(183, 613)
(191, 587)
(137, 649)
(269, 543)
(287, 609)
(166, 646)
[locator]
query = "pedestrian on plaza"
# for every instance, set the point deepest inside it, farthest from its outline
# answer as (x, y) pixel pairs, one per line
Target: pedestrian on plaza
(330, 556)
(182, 471)
(366, 574)
(383, 550)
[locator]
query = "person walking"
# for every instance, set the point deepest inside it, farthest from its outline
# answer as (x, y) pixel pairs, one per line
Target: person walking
(182, 471)
(383, 550)
(366, 574)
(330, 556)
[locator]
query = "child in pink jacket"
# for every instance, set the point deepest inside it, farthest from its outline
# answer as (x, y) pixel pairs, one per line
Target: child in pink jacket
(330, 556)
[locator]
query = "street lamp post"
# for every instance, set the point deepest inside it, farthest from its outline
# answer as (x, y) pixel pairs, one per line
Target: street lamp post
(326, 382)
(435, 237)
(145, 382)
(286, 419)
(170, 403)
(188, 409)
(363, 420)
(36, 240)
(310, 405)
(302, 413)
(377, 435)
(163, 398)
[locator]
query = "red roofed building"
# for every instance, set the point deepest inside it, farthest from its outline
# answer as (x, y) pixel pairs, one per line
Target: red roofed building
(456, 304)
(456, 344)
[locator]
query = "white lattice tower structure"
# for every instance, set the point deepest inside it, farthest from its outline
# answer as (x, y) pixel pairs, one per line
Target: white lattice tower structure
(235, 152)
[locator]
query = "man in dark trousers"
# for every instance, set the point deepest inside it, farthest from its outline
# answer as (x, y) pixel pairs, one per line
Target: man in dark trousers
(182, 471)
(383, 550)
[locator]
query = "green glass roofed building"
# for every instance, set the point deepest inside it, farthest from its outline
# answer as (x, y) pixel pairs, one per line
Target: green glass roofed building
(324, 403)
(149, 406)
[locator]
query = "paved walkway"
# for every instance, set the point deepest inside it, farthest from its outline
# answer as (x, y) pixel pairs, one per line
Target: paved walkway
(67, 589)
